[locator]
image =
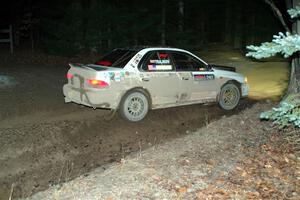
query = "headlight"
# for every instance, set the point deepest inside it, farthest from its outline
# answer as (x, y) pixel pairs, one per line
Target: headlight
(246, 80)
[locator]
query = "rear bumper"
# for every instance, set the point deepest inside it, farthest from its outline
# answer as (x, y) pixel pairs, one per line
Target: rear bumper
(93, 98)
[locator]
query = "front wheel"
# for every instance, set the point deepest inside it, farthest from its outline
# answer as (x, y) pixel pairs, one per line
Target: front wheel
(229, 96)
(134, 106)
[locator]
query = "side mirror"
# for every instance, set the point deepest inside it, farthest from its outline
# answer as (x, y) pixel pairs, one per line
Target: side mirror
(210, 67)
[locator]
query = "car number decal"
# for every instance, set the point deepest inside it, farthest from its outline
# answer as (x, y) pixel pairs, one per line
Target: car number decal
(137, 58)
(200, 77)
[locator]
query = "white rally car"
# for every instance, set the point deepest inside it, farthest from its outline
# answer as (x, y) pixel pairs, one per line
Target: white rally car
(135, 80)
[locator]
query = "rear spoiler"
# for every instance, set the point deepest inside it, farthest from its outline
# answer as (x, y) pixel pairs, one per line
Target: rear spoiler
(90, 66)
(79, 65)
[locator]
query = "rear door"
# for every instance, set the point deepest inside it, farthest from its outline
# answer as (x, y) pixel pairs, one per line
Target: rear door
(158, 76)
(195, 77)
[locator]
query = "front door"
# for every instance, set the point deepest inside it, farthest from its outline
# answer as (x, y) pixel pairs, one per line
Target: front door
(197, 80)
(158, 76)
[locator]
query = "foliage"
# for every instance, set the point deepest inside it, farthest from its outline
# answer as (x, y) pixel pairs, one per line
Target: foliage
(294, 12)
(287, 113)
(283, 44)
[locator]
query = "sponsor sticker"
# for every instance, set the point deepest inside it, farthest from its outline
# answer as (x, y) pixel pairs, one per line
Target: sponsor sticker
(111, 75)
(200, 77)
(117, 76)
(154, 67)
(160, 62)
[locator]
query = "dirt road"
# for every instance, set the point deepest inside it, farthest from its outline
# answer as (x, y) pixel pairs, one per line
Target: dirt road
(236, 157)
(44, 141)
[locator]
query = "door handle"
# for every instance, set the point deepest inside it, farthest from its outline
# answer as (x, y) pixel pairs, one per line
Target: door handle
(185, 78)
(145, 79)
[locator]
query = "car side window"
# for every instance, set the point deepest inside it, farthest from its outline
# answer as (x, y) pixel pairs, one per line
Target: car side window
(186, 62)
(157, 61)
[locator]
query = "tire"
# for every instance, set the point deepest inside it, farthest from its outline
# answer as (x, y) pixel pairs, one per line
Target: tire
(229, 96)
(134, 106)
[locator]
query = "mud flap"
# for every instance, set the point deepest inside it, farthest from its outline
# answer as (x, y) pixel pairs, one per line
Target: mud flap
(67, 100)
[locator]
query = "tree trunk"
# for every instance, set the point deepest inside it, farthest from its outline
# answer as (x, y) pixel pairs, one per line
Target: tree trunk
(294, 84)
(237, 40)
(202, 33)
(16, 36)
(97, 46)
(252, 39)
(32, 38)
(181, 15)
(163, 24)
(228, 23)
(289, 3)
(109, 40)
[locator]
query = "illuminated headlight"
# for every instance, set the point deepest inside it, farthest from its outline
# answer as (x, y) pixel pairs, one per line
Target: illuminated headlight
(246, 80)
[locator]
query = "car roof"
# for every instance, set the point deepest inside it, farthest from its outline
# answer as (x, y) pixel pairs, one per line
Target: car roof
(144, 49)
(139, 48)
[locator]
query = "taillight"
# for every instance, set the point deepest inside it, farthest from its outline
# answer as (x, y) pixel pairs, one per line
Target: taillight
(69, 75)
(97, 83)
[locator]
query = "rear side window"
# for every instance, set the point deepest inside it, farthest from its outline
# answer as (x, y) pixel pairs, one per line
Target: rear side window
(186, 62)
(117, 58)
(157, 61)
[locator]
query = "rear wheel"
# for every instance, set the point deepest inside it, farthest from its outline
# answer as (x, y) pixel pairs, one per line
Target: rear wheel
(229, 96)
(134, 106)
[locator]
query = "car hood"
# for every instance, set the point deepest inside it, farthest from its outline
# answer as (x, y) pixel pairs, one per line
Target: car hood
(222, 67)
(230, 74)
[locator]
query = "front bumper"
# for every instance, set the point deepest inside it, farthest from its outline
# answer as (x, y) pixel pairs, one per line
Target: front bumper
(245, 89)
(96, 98)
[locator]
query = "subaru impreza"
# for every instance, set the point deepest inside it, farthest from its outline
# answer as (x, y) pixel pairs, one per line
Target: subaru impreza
(138, 79)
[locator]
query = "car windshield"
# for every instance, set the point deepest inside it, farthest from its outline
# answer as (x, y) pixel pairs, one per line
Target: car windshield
(117, 58)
